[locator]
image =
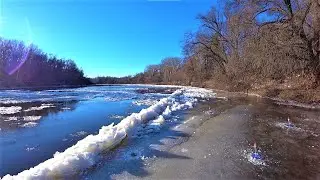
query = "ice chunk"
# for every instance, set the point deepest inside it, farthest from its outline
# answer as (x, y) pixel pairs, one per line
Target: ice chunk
(31, 118)
(29, 124)
(43, 106)
(10, 110)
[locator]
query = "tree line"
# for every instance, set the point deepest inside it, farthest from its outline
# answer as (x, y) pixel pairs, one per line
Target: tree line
(24, 66)
(242, 45)
(246, 43)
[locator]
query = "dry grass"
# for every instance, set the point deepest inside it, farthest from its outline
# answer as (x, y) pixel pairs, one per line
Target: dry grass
(295, 88)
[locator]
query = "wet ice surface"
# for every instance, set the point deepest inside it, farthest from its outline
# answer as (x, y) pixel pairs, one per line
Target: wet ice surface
(36, 124)
(141, 150)
(215, 141)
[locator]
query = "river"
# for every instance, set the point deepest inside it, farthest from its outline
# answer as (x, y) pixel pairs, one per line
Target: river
(36, 124)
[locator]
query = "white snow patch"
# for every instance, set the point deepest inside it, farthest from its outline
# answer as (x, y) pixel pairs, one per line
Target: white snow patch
(14, 118)
(30, 148)
(114, 99)
(154, 125)
(79, 134)
(116, 117)
(184, 150)
(86, 152)
(221, 97)
(11, 101)
(43, 106)
(10, 110)
(31, 118)
(147, 102)
(29, 124)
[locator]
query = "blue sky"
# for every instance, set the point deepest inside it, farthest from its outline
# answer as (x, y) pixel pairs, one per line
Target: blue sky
(104, 37)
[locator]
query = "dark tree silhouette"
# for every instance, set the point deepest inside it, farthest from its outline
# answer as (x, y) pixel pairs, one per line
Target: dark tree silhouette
(22, 66)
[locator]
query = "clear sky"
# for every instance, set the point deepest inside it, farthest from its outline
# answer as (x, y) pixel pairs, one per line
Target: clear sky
(104, 37)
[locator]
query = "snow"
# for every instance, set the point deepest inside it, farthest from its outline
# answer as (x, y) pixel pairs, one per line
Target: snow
(43, 106)
(25, 118)
(29, 124)
(86, 152)
(30, 148)
(79, 134)
(11, 101)
(147, 102)
(31, 118)
(11, 118)
(114, 99)
(116, 117)
(10, 110)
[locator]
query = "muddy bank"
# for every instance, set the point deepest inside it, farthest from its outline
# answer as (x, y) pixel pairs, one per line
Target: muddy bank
(290, 92)
(277, 100)
(161, 90)
(215, 141)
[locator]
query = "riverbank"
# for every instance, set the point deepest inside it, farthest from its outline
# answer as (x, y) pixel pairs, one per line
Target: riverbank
(216, 139)
(292, 91)
(286, 96)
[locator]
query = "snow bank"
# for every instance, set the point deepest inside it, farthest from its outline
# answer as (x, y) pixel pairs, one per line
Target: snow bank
(10, 110)
(86, 152)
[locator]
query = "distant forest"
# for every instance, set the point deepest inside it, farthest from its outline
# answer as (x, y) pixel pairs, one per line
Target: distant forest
(26, 66)
(258, 45)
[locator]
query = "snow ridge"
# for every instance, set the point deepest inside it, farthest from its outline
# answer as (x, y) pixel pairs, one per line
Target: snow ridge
(86, 152)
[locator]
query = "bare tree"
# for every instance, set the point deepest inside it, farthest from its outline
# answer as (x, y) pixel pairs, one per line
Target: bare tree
(169, 66)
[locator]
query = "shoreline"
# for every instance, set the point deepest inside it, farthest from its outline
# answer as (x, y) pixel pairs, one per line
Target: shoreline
(214, 142)
(315, 106)
(282, 101)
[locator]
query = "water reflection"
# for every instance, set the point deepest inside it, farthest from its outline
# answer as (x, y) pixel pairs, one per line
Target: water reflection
(19, 115)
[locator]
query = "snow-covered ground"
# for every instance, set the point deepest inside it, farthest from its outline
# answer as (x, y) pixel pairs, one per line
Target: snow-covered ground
(86, 152)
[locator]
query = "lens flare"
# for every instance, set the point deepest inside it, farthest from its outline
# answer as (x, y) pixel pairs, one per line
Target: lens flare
(22, 60)
(24, 57)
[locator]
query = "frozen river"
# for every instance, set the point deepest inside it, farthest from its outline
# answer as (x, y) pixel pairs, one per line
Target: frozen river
(154, 132)
(37, 124)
